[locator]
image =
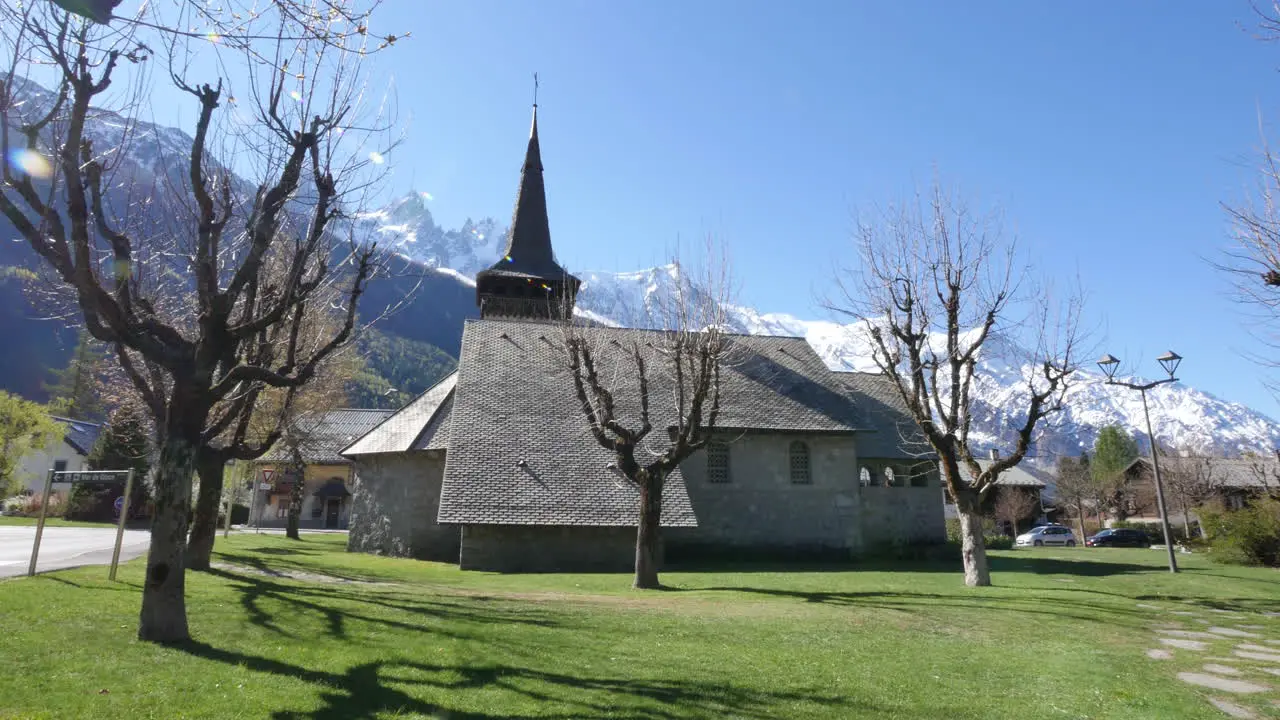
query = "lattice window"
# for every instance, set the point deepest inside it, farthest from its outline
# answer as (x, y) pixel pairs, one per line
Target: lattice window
(889, 479)
(800, 463)
(864, 477)
(717, 462)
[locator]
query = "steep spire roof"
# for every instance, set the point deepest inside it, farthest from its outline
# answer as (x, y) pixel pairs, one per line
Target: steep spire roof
(529, 240)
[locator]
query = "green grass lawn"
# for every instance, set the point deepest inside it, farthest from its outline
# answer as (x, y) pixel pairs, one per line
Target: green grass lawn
(51, 522)
(1063, 634)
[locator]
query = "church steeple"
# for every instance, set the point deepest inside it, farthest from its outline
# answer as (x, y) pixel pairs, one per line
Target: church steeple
(527, 281)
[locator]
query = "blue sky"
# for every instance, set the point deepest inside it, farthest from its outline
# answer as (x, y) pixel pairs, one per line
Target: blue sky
(1108, 132)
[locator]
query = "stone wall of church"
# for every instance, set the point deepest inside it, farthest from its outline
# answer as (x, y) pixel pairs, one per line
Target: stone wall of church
(763, 507)
(394, 503)
(902, 516)
(547, 548)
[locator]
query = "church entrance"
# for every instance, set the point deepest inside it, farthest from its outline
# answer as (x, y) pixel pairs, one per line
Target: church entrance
(333, 506)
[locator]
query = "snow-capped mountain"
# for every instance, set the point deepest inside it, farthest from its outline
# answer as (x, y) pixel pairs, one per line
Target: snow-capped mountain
(1182, 416)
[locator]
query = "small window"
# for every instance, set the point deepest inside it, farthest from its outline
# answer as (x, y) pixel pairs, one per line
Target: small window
(864, 477)
(59, 465)
(920, 476)
(800, 463)
(889, 479)
(717, 462)
(317, 507)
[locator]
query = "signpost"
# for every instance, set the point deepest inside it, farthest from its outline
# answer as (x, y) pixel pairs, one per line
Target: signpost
(85, 476)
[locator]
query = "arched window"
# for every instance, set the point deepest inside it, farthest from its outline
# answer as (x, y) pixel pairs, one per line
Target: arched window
(864, 477)
(800, 463)
(889, 480)
(717, 462)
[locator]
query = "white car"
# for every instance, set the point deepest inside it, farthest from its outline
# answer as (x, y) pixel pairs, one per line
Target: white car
(1046, 535)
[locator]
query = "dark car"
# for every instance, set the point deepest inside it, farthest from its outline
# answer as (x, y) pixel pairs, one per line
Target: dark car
(1120, 537)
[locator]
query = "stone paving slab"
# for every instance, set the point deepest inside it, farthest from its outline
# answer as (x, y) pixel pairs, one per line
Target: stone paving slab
(1232, 632)
(1231, 709)
(1266, 657)
(1184, 644)
(1242, 687)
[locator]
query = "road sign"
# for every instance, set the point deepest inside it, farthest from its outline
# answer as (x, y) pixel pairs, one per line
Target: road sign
(96, 476)
(91, 476)
(268, 475)
(265, 486)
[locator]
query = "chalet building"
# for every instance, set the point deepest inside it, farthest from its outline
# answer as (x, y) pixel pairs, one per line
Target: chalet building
(69, 453)
(494, 468)
(1193, 481)
(326, 499)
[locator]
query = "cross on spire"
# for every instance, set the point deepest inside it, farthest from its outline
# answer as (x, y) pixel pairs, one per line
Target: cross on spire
(535, 90)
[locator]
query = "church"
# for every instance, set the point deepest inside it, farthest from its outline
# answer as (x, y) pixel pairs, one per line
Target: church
(494, 468)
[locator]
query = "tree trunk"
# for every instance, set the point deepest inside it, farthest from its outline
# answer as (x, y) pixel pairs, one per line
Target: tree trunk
(295, 506)
(1080, 520)
(1186, 524)
(204, 527)
(973, 550)
(648, 536)
(164, 611)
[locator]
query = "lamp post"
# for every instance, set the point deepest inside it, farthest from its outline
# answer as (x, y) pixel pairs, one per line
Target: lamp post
(1169, 361)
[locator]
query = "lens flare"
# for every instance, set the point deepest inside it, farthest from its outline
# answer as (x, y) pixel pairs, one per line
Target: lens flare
(427, 196)
(295, 95)
(376, 158)
(31, 162)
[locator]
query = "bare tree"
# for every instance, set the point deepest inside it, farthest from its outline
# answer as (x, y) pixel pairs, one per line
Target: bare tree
(1075, 488)
(937, 283)
(198, 322)
(626, 382)
(1191, 481)
(1013, 504)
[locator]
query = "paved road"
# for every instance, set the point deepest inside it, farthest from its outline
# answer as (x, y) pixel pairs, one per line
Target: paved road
(64, 547)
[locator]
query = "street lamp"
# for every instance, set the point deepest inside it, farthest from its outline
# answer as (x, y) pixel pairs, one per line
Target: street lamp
(1169, 361)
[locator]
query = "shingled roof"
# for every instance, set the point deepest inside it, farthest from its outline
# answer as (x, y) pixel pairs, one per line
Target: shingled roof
(528, 252)
(890, 431)
(324, 434)
(514, 403)
(423, 424)
(79, 434)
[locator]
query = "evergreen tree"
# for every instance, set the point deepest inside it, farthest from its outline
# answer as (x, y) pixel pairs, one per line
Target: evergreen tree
(24, 426)
(123, 444)
(75, 391)
(1113, 451)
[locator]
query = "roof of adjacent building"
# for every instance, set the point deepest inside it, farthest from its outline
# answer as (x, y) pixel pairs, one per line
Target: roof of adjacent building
(515, 402)
(1222, 472)
(323, 435)
(1015, 476)
(79, 434)
(422, 424)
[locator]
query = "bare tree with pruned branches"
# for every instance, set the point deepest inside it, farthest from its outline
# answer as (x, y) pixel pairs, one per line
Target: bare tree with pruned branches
(937, 283)
(205, 302)
(653, 398)
(1190, 481)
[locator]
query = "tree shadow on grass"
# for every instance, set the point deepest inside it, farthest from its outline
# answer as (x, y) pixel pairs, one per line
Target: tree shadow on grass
(999, 563)
(1056, 566)
(928, 603)
(335, 605)
(278, 567)
(376, 688)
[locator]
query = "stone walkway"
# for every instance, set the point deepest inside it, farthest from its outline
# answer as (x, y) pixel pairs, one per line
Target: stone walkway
(1239, 662)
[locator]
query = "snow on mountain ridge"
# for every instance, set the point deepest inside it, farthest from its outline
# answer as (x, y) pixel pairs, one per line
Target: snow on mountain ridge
(1183, 416)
